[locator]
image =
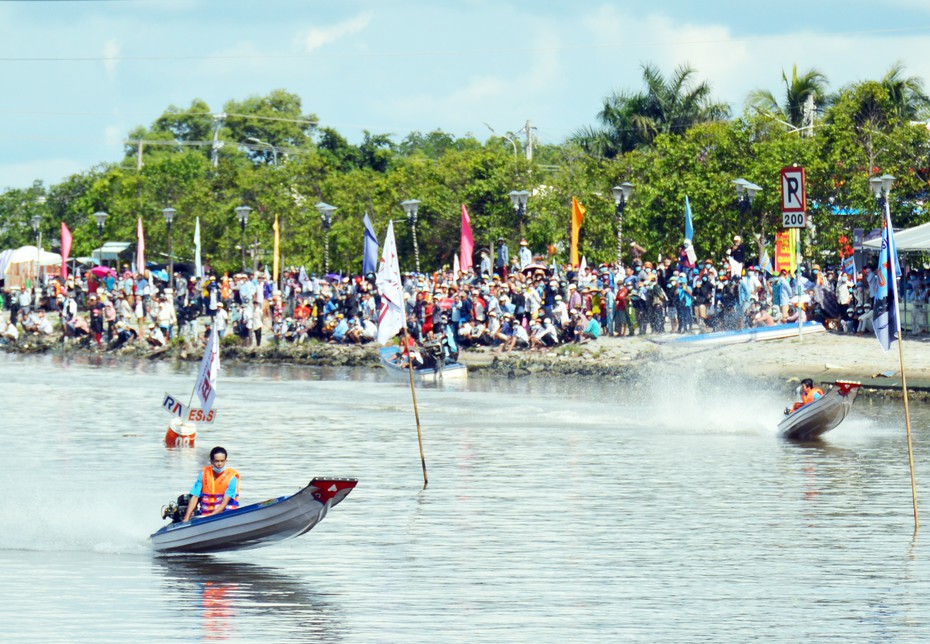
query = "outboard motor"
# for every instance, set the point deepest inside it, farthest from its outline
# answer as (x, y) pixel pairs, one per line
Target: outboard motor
(176, 510)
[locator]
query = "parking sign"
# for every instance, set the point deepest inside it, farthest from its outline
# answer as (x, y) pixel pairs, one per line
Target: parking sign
(793, 198)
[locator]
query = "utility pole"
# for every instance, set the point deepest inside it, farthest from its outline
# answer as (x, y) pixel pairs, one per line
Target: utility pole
(528, 131)
(217, 144)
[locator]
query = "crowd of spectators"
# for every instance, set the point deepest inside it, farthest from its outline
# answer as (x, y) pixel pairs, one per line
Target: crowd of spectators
(525, 304)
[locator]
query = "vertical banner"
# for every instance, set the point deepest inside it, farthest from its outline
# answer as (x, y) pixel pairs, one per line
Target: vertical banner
(784, 251)
(275, 262)
(66, 250)
(467, 244)
(198, 264)
(140, 249)
(370, 248)
(578, 213)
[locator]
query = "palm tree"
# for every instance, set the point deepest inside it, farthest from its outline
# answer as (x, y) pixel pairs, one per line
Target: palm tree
(667, 106)
(906, 94)
(800, 93)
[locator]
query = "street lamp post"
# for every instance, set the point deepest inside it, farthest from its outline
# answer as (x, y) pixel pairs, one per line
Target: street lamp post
(746, 192)
(169, 218)
(622, 194)
(101, 218)
(242, 212)
(36, 222)
(518, 198)
(326, 215)
(411, 206)
(274, 150)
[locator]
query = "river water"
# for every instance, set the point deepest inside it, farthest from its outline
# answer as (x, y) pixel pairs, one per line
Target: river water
(561, 510)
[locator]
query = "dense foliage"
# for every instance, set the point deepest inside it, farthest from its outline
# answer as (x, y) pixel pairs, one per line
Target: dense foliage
(670, 140)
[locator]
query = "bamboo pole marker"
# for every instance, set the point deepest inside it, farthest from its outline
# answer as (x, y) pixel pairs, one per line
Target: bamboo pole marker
(907, 422)
(416, 411)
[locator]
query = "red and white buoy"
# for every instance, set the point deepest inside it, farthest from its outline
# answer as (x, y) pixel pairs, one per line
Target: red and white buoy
(180, 433)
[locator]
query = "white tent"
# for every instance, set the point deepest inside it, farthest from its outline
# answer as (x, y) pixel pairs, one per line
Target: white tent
(27, 255)
(916, 239)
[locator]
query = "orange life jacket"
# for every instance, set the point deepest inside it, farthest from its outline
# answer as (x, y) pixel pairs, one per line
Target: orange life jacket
(809, 396)
(213, 488)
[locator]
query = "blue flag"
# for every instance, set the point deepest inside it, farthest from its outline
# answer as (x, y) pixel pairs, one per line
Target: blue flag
(849, 266)
(370, 262)
(689, 225)
(885, 306)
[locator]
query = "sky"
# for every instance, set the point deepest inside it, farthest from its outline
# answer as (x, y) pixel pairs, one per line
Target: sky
(78, 76)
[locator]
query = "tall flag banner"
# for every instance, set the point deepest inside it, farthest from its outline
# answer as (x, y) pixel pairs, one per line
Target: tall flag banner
(467, 247)
(65, 250)
(391, 317)
(885, 305)
(275, 262)
(578, 212)
(140, 249)
(456, 267)
(198, 265)
(370, 259)
(689, 225)
(205, 386)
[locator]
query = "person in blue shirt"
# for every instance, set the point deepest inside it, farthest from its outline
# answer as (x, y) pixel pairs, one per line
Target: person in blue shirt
(342, 327)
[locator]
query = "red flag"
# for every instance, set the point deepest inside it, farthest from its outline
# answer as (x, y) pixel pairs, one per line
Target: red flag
(468, 242)
(65, 250)
(140, 251)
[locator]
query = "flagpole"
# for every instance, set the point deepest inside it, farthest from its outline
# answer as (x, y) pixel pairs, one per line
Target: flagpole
(416, 411)
(893, 283)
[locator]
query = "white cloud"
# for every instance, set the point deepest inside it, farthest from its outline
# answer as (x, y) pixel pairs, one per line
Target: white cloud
(316, 37)
(110, 54)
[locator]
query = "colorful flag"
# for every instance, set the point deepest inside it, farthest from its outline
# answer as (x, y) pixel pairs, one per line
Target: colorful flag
(198, 266)
(849, 266)
(467, 247)
(689, 225)
(209, 369)
(370, 258)
(140, 249)
(578, 212)
(885, 305)
(275, 262)
(65, 250)
(391, 318)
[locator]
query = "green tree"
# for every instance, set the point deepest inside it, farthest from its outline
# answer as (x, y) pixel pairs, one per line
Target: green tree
(667, 106)
(802, 94)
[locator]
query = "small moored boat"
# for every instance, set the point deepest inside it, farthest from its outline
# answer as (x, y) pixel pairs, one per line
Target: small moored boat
(252, 526)
(455, 371)
(812, 420)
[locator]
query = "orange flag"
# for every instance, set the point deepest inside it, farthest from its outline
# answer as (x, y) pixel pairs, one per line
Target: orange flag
(578, 212)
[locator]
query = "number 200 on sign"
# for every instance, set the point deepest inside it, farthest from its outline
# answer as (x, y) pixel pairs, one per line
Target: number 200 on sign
(794, 219)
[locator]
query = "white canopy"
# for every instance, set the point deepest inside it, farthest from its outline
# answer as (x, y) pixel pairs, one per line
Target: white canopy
(27, 255)
(914, 239)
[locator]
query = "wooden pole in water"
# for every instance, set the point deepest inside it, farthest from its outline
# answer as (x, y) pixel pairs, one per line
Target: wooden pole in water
(416, 412)
(907, 422)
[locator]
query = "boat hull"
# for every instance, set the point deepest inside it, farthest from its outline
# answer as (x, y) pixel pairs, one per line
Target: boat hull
(755, 334)
(256, 525)
(815, 419)
(455, 372)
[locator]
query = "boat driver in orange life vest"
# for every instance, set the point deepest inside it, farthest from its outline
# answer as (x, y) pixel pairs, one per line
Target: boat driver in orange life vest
(809, 393)
(217, 487)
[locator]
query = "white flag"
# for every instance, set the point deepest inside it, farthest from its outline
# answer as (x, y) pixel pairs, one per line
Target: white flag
(391, 318)
(209, 369)
(197, 267)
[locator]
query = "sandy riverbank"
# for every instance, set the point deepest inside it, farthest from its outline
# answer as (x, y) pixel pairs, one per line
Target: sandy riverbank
(823, 356)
